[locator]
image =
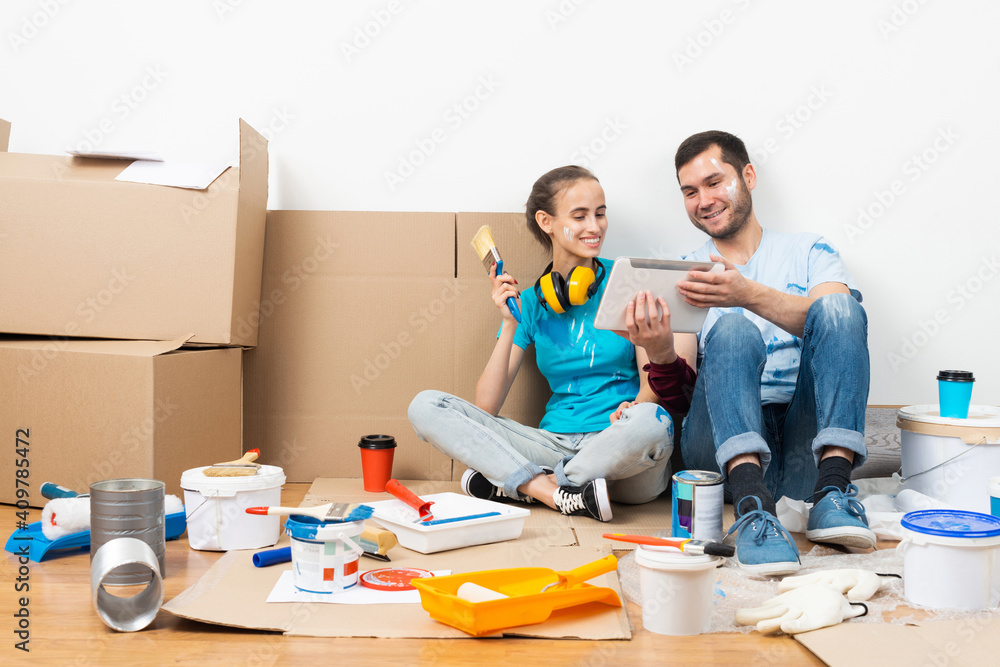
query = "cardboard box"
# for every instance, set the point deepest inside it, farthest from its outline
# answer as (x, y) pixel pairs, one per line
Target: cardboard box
(359, 313)
(82, 410)
(94, 257)
(357, 316)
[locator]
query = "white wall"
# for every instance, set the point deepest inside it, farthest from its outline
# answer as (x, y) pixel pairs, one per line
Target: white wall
(837, 100)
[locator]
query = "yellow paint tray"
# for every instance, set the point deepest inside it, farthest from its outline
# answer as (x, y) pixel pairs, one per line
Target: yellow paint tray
(526, 602)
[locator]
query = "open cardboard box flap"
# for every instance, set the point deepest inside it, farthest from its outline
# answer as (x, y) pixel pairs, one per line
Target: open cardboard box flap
(233, 591)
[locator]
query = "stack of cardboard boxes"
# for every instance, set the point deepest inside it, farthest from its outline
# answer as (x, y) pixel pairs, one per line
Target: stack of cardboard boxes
(124, 311)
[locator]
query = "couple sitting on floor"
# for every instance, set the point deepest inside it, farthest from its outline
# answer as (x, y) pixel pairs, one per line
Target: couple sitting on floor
(774, 386)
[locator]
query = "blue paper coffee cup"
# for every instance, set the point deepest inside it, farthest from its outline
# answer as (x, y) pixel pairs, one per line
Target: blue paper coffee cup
(955, 393)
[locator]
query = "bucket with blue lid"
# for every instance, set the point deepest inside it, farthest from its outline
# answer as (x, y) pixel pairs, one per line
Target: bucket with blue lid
(324, 553)
(951, 559)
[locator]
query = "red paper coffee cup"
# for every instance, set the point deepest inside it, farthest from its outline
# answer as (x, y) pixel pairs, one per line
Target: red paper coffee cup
(376, 461)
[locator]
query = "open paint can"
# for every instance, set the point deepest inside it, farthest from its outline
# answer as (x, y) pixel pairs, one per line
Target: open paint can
(951, 559)
(677, 590)
(324, 553)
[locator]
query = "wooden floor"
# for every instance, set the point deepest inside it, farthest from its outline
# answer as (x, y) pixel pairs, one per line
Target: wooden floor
(65, 630)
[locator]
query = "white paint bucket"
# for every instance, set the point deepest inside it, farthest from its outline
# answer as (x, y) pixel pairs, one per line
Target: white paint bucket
(216, 509)
(676, 590)
(950, 459)
(324, 553)
(951, 559)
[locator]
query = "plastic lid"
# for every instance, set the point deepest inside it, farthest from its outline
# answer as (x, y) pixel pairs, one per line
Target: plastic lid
(267, 477)
(986, 416)
(393, 578)
(952, 523)
(302, 527)
(956, 376)
(669, 558)
(377, 442)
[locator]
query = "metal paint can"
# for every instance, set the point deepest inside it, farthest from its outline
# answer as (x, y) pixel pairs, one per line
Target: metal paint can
(697, 505)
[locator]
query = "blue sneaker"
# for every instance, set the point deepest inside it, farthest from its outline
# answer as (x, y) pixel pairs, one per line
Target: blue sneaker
(839, 518)
(763, 546)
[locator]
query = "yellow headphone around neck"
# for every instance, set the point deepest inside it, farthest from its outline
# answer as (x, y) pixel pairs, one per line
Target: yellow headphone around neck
(560, 294)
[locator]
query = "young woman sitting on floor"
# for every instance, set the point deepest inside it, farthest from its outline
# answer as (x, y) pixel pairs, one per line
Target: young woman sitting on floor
(575, 461)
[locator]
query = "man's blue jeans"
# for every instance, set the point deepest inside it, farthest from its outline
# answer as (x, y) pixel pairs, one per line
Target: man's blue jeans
(726, 418)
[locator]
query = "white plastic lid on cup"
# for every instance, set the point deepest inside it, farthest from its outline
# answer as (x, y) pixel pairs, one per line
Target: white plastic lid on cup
(668, 558)
(195, 479)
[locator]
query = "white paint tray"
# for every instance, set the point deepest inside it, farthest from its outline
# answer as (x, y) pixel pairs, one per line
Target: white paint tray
(398, 517)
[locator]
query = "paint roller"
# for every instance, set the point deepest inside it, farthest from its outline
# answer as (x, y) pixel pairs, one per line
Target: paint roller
(65, 516)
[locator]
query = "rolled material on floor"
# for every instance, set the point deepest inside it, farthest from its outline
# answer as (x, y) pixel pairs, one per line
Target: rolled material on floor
(128, 508)
(132, 613)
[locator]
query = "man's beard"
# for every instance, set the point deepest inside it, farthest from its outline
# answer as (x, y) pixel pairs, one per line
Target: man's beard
(740, 214)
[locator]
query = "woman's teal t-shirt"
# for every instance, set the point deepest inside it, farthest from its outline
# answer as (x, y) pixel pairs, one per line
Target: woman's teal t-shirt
(590, 371)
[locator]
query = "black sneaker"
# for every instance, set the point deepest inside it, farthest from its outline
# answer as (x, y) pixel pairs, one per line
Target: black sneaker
(591, 500)
(475, 484)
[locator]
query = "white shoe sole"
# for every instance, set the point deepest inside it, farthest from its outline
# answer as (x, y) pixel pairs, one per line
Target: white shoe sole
(603, 500)
(465, 481)
(769, 569)
(846, 536)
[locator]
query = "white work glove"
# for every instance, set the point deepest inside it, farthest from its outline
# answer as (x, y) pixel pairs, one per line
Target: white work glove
(855, 584)
(802, 609)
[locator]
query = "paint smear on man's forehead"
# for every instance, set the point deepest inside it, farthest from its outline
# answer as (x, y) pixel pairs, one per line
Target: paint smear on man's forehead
(568, 233)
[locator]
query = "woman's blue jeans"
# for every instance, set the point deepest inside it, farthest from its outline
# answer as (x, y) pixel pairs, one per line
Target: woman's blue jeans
(828, 406)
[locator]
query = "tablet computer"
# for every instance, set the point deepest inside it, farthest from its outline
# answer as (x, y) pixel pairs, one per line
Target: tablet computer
(631, 275)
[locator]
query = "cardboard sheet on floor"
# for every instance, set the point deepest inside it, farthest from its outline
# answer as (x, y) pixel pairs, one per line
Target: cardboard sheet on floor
(970, 642)
(233, 593)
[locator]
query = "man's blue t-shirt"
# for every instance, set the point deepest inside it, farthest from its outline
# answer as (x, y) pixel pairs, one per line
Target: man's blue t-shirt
(790, 263)
(590, 371)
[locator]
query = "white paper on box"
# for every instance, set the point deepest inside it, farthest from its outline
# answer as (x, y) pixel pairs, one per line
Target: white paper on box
(119, 155)
(174, 174)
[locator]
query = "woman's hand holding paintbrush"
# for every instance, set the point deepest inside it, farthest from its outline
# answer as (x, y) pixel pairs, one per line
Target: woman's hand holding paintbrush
(486, 248)
(505, 295)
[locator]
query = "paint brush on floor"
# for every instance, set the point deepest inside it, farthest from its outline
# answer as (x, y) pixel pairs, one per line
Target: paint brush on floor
(333, 512)
(692, 547)
(488, 253)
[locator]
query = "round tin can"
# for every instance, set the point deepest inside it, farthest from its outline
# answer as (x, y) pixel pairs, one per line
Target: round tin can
(697, 505)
